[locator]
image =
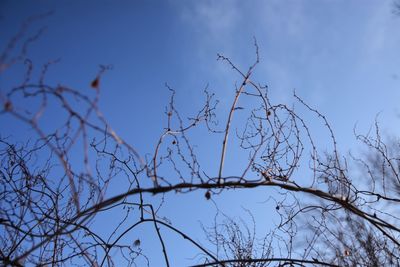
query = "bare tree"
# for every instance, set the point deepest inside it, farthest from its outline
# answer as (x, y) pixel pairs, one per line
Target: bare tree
(57, 185)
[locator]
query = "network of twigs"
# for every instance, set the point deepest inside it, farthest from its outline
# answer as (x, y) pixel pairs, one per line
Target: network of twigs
(58, 181)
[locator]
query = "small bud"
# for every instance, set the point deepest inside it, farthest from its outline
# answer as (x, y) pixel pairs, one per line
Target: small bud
(8, 106)
(136, 243)
(59, 90)
(347, 252)
(95, 83)
(207, 195)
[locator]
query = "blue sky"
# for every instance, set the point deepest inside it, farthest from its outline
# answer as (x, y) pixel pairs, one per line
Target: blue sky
(341, 56)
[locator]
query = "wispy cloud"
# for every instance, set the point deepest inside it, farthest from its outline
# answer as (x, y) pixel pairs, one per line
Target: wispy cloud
(214, 21)
(327, 50)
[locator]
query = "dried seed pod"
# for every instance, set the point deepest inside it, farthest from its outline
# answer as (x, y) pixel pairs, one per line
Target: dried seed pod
(95, 83)
(8, 106)
(136, 243)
